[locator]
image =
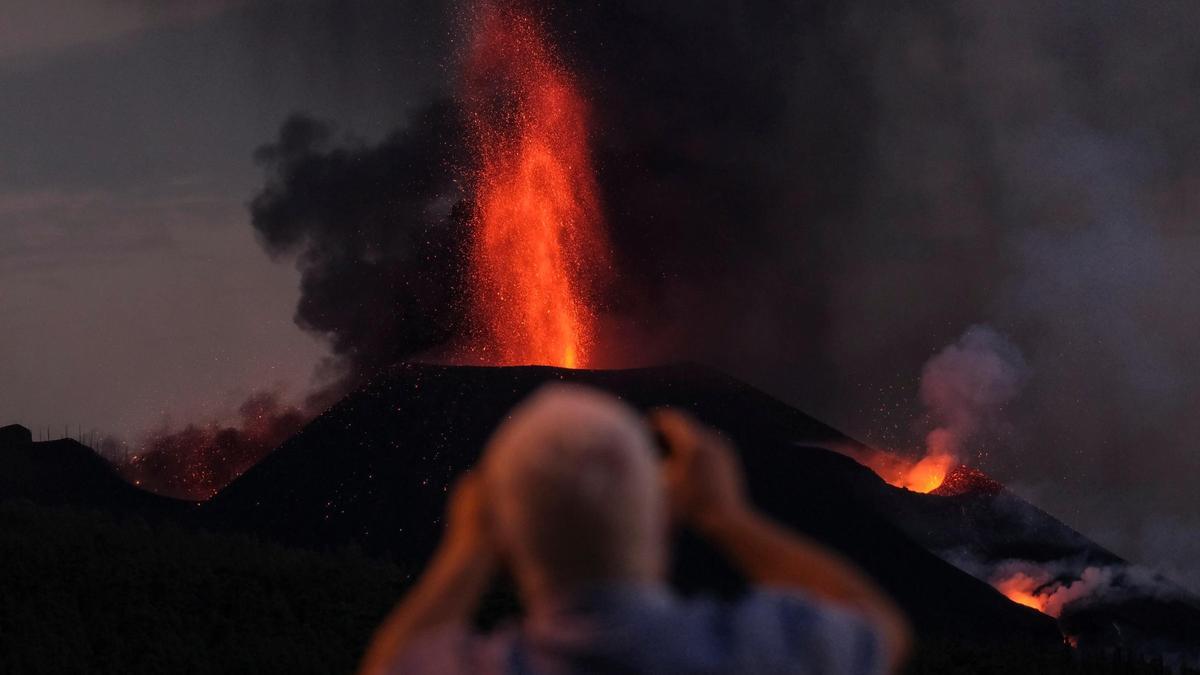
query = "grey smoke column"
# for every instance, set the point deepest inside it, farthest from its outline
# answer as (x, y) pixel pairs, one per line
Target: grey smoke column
(965, 388)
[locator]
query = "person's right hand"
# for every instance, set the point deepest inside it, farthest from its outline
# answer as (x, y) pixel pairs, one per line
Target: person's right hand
(703, 477)
(468, 518)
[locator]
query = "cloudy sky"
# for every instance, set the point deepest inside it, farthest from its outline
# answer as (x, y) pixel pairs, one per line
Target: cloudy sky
(131, 287)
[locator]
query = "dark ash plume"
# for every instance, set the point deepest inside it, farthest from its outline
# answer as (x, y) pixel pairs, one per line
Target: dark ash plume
(376, 233)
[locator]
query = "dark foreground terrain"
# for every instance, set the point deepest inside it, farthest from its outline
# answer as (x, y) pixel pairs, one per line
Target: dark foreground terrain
(289, 568)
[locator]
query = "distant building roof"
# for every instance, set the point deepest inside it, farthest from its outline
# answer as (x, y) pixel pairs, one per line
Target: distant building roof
(15, 434)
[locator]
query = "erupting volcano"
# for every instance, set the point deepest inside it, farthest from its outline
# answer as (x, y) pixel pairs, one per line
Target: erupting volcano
(963, 389)
(926, 474)
(936, 473)
(538, 248)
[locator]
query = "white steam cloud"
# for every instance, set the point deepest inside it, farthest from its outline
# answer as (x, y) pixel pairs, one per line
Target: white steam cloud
(966, 386)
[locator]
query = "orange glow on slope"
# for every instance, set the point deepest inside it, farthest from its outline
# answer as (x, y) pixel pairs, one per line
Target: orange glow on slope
(1038, 589)
(924, 475)
(538, 248)
(1022, 589)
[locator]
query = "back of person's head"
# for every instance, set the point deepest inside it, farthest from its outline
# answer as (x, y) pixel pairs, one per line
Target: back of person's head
(575, 486)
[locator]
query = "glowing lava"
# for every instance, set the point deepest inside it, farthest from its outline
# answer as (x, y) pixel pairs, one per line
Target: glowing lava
(538, 250)
(1039, 589)
(924, 475)
(1023, 590)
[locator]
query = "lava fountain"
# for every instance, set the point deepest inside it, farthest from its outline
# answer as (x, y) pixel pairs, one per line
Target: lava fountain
(538, 251)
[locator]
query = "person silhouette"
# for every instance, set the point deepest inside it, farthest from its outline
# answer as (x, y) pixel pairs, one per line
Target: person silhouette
(571, 495)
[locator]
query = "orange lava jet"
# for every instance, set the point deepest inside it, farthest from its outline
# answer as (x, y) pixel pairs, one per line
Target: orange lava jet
(538, 249)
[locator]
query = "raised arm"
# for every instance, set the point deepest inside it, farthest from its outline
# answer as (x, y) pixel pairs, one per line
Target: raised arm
(706, 487)
(452, 585)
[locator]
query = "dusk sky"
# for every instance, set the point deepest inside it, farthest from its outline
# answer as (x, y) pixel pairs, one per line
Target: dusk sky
(832, 202)
(132, 287)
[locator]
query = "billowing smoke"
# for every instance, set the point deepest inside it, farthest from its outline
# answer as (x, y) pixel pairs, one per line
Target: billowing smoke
(965, 388)
(695, 191)
(1035, 167)
(1073, 592)
(375, 232)
(817, 196)
(1040, 588)
(376, 235)
(197, 460)
(1059, 587)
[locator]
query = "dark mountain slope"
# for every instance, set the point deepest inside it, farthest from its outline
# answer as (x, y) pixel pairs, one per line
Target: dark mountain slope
(375, 468)
(987, 527)
(372, 472)
(995, 534)
(65, 472)
(88, 592)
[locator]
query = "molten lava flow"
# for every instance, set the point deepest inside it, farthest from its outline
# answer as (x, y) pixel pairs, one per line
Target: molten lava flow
(538, 250)
(1023, 590)
(924, 475)
(936, 474)
(1040, 589)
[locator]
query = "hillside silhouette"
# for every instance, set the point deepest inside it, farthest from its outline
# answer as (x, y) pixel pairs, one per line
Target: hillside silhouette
(371, 474)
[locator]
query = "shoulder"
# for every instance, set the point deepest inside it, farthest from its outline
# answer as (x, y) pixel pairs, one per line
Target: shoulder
(783, 631)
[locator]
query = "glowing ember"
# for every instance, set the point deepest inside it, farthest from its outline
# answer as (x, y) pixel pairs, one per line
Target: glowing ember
(538, 248)
(963, 479)
(198, 460)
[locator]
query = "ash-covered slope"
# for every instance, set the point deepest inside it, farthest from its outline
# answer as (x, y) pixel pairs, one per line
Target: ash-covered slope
(374, 470)
(1102, 600)
(987, 526)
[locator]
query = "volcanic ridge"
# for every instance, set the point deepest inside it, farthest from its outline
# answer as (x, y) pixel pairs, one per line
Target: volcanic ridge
(373, 472)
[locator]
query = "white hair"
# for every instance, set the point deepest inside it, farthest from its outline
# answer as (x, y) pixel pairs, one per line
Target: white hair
(575, 484)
